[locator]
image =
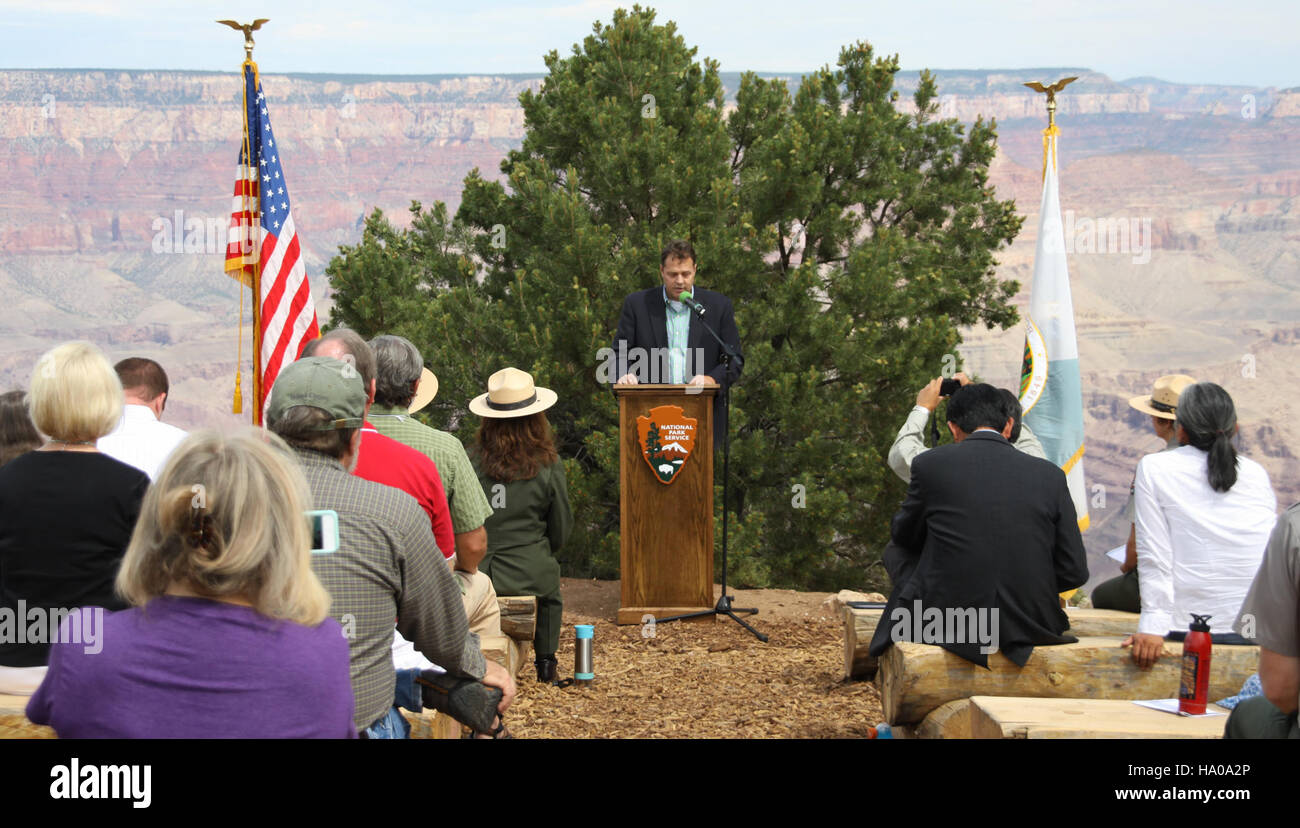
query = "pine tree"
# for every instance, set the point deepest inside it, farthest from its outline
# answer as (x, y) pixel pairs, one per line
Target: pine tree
(854, 238)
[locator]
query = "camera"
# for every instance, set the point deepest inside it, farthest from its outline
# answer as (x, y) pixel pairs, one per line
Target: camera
(948, 387)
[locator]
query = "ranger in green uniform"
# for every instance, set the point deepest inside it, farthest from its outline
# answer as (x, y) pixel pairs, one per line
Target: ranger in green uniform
(523, 478)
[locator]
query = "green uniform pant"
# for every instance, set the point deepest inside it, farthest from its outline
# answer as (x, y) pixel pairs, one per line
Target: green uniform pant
(530, 570)
(1257, 718)
(1119, 593)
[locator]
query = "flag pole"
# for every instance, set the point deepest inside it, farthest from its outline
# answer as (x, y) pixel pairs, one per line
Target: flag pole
(257, 257)
(1050, 134)
(255, 200)
(1036, 351)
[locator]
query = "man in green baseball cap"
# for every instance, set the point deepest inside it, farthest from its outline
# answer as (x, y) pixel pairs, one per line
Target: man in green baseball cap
(388, 564)
(329, 384)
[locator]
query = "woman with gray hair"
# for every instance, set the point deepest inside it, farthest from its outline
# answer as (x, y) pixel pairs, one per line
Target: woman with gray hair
(1204, 514)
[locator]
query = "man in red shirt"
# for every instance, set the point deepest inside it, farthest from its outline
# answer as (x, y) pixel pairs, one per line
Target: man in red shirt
(384, 460)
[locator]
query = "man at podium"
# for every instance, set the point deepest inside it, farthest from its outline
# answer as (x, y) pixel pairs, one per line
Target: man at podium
(662, 341)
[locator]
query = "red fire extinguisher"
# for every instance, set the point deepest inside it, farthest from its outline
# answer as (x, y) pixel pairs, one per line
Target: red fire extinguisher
(1194, 688)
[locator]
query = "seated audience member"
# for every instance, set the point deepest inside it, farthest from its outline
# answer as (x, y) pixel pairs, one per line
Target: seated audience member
(911, 437)
(382, 459)
(911, 441)
(400, 379)
(515, 453)
(141, 439)
(66, 511)
(18, 434)
(1271, 615)
(1021, 437)
(386, 461)
(984, 529)
(1203, 516)
(229, 635)
(1122, 593)
(388, 564)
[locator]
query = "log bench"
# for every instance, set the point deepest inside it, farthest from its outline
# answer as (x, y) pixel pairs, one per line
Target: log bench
(860, 625)
(915, 679)
(518, 625)
(1021, 718)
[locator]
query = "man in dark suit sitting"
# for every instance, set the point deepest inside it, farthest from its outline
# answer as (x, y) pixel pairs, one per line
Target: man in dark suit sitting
(659, 341)
(991, 538)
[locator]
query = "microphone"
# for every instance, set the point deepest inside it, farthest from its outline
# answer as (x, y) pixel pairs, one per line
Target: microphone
(689, 301)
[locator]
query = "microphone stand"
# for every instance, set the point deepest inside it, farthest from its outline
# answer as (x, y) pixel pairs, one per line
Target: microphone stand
(723, 606)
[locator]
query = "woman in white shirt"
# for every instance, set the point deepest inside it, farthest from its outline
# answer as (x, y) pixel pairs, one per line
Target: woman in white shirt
(1203, 520)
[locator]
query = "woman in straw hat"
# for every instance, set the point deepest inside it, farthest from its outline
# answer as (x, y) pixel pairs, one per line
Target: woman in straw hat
(1161, 405)
(1204, 514)
(524, 481)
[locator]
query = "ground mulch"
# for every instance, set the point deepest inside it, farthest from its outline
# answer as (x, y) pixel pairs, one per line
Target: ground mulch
(711, 680)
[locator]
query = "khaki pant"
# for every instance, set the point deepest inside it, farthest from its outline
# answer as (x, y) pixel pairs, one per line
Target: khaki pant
(480, 599)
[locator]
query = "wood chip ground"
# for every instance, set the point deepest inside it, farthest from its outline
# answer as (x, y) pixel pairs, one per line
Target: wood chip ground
(701, 680)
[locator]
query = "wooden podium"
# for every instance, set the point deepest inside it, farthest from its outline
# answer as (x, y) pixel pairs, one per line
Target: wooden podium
(666, 526)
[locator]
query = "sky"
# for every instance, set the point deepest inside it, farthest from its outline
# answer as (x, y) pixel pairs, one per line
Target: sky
(1242, 43)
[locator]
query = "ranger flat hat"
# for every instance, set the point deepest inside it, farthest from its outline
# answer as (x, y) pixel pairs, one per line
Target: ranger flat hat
(511, 393)
(1163, 399)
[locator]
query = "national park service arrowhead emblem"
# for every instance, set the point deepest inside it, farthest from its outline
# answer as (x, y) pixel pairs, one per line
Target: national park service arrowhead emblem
(667, 438)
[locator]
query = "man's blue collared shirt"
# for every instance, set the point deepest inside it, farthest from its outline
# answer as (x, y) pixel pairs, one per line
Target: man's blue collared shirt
(679, 329)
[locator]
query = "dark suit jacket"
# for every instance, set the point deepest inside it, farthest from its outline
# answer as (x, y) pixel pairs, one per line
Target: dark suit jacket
(644, 324)
(988, 527)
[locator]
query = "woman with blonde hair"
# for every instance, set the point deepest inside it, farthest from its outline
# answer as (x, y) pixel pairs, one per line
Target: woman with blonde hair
(66, 510)
(524, 480)
(229, 634)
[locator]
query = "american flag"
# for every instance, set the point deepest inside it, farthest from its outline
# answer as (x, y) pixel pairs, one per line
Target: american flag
(267, 236)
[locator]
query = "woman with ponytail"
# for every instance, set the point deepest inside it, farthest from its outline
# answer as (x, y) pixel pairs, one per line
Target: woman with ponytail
(228, 635)
(1204, 514)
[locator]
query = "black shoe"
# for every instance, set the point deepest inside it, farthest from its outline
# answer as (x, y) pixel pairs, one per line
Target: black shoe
(546, 668)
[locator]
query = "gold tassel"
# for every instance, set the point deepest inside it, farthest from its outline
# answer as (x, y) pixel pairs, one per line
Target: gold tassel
(1049, 147)
(237, 404)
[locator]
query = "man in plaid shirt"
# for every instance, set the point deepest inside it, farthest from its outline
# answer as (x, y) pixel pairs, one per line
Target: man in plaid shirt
(388, 565)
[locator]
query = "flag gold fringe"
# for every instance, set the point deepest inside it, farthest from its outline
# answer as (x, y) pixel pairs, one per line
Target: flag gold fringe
(1049, 146)
(237, 404)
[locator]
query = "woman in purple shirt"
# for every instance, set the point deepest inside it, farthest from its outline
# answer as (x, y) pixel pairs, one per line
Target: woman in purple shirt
(228, 634)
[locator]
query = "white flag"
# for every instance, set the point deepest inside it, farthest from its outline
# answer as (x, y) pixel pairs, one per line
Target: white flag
(1050, 390)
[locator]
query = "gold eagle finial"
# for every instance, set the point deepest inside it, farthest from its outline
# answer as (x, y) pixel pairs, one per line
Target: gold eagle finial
(1051, 91)
(247, 29)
